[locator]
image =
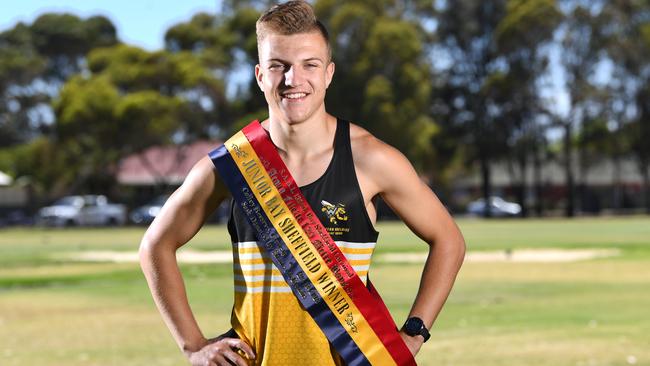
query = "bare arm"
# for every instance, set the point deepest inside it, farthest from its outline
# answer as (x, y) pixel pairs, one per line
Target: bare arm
(420, 209)
(179, 220)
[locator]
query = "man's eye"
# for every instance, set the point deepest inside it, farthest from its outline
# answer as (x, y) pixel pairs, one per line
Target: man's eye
(276, 67)
(311, 65)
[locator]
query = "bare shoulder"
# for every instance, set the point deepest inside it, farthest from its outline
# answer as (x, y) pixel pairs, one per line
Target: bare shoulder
(368, 149)
(376, 159)
(203, 182)
(202, 187)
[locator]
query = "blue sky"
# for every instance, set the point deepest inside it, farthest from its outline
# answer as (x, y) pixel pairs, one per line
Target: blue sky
(139, 22)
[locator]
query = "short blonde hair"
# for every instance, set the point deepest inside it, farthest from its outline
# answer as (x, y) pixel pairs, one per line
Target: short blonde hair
(292, 17)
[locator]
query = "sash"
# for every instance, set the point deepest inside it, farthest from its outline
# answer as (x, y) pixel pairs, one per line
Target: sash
(352, 316)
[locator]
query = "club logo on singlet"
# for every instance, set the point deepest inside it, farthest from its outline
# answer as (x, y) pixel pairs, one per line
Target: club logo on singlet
(335, 213)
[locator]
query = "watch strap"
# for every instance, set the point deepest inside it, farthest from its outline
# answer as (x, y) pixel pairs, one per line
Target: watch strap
(415, 326)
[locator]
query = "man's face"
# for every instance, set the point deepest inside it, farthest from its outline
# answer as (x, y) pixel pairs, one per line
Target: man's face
(293, 73)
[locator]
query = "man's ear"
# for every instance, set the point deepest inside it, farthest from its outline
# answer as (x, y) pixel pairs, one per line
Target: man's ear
(329, 73)
(259, 76)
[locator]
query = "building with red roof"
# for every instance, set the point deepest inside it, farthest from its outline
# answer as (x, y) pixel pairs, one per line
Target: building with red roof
(162, 165)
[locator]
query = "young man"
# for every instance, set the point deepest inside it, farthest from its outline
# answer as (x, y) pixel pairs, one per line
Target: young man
(340, 168)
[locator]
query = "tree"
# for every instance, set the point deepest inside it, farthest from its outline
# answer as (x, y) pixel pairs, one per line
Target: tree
(131, 99)
(625, 31)
(580, 57)
(20, 65)
(65, 39)
(382, 74)
(521, 37)
(41, 161)
(35, 60)
(227, 44)
(467, 41)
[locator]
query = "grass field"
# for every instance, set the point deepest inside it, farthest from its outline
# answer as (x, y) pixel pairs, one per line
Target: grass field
(56, 311)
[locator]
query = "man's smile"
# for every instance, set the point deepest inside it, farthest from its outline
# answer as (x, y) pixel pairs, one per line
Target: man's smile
(294, 96)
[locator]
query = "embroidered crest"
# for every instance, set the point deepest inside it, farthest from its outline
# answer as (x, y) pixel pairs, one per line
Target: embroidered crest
(335, 213)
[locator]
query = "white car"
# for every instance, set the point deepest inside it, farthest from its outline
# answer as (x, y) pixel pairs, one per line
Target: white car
(82, 210)
(498, 207)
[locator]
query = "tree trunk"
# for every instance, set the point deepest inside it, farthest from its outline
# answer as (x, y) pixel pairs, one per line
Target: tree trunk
(617, 192)
(580, 182)
(537, 183)
(521, 187)
(487, 184)
(645, 173)
(569, 171)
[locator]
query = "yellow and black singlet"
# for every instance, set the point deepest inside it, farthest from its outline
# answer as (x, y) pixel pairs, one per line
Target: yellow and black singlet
(266, 314)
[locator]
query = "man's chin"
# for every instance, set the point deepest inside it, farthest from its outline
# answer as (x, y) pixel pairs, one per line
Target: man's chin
(295, 121)
(295, 118)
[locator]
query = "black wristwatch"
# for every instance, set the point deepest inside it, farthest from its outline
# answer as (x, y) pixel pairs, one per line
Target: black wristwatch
(415, 326)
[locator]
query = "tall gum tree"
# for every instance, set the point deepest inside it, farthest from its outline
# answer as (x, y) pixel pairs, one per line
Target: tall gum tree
(522, 38)
(466, 33)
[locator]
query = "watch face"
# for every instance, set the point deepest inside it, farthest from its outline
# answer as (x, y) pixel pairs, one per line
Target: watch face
(413, 326)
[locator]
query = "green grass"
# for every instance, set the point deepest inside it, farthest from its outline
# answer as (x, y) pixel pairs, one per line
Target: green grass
(55, 311)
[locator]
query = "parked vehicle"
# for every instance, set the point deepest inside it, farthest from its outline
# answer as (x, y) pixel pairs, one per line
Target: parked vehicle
(82, 210)
(498, 207)
(145, 214)
(16, 217)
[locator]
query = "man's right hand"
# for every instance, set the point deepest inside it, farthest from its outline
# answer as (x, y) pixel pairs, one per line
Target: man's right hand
(222, 351)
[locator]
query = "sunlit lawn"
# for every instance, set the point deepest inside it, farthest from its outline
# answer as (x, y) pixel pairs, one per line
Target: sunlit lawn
(55, 311)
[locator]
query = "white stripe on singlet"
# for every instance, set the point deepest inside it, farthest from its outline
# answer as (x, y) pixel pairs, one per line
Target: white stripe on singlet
(258, 283)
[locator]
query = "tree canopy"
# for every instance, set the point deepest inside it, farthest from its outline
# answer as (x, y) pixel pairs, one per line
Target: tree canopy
(452, 84)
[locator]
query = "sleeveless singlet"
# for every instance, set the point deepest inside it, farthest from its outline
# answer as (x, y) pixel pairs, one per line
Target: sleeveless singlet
(265, 313)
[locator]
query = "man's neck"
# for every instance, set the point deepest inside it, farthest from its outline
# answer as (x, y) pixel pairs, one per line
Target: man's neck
(299, 141)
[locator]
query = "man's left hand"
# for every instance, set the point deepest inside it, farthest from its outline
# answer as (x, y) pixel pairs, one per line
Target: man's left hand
(413, 343)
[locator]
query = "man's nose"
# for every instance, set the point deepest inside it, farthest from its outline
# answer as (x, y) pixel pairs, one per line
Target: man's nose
(293, 76)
